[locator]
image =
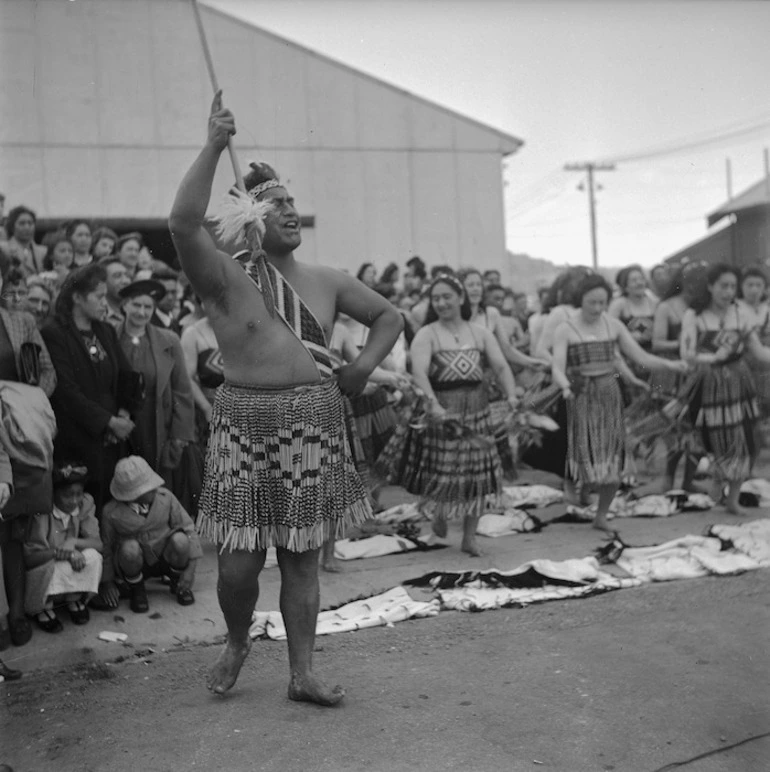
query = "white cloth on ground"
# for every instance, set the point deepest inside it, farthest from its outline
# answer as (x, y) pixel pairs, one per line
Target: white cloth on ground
(372, 547)
(389, 607)
(509, 522)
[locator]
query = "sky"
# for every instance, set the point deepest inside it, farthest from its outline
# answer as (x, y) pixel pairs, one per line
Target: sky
(578, 81)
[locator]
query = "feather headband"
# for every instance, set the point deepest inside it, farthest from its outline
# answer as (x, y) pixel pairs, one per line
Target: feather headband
(241, 218)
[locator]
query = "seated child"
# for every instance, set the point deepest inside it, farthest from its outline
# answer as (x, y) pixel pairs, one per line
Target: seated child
(62, 552)
(146, 533)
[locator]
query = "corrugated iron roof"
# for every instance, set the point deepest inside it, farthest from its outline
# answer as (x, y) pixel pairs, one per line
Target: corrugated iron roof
(757, 195)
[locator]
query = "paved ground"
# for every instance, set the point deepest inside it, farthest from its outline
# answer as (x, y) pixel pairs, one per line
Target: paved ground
(633, 680)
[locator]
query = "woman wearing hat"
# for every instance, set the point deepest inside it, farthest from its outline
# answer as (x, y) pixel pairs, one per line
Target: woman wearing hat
(91, 402)
(63, 552)
(166, 421)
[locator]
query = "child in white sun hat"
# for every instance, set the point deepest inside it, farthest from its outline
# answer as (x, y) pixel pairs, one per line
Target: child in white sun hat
(146, 533)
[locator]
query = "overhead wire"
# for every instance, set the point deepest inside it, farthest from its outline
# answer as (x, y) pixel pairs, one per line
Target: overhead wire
(715, 136)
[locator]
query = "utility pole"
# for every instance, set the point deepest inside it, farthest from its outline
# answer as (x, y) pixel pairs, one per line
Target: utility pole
(590, 168)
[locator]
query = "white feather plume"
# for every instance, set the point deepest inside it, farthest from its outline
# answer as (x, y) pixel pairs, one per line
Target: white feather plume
(237, 212)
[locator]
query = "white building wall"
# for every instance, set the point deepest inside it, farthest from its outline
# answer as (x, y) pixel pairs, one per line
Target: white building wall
(104, 106)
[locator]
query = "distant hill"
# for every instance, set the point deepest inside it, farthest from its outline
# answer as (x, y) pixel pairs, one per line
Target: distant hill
(528, 274)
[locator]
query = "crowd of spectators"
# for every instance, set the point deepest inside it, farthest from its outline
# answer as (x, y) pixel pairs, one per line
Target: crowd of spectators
(108, 369)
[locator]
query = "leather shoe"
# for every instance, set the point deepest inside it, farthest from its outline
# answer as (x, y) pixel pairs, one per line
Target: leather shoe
(49, 623)
(21, 631)
(79, 615)
(8, 673)
(138, 598)
(185, 597)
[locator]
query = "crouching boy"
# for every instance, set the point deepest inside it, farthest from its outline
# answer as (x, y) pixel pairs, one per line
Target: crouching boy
(62, 552)
(146, 533)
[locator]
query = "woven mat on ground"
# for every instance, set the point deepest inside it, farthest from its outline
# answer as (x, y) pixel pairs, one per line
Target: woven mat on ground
(385, 609)
(534, 582)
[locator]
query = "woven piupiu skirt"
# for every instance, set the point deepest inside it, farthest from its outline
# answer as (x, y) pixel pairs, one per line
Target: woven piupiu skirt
(454, 474)
(596, 431)
(722, 407)
(375, 422)
(279, 470)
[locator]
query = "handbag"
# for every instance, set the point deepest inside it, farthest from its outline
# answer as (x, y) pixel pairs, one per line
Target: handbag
(29, 361)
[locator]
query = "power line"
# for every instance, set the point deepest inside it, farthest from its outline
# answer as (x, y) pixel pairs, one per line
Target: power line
(697, 141)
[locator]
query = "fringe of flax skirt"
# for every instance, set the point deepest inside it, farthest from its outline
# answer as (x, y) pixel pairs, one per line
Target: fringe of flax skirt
(453, 473)
(596, 432)
(279, 470)
(721, 404)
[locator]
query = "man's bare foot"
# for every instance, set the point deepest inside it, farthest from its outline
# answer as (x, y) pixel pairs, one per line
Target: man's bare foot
(309, 689)
(470, 545)
(736, 509)
(225, 672)
(331, 565)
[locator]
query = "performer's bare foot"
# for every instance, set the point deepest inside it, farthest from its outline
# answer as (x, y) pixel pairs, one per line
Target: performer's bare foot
(736, 509)
(331, 565)
(470, 545)
(308, 688)
(225, 672)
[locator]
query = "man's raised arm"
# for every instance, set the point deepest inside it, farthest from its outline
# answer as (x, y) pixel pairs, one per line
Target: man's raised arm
(203, 264)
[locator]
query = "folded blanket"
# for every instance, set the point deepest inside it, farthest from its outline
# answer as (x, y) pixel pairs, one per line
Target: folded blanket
(657, 505)
(760, 488)
(509, 522)
(533, 582)
(379, 545)
(523, 496)
(389, 607)
(724, 550)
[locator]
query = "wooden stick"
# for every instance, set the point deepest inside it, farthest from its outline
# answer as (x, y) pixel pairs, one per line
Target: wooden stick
(215, 85)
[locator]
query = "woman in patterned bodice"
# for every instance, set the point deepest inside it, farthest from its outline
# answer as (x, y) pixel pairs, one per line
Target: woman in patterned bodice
(584, 365)
(453, 470)
(753, 294)
(717, 333)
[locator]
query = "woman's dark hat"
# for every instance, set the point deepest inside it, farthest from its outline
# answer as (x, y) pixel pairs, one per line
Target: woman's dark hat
(144, 287)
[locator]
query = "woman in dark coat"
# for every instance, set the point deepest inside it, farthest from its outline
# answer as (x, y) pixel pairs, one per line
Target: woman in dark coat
(96, 390)
(166, 422)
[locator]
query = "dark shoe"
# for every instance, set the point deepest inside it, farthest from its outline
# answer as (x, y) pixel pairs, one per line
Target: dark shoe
(9, 674)
(138, 598)
(79, 615)
(185, 597)
(48, 622)
(98, 603)
(21, 631)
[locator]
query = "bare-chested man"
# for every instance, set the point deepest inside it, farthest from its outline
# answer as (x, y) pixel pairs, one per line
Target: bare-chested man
(278, 465)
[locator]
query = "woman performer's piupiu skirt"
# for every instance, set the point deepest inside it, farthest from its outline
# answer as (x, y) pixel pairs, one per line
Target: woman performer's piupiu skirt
(375, 421)
(453, 473)
(722, 406)
(596, 431)
(279, 470)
